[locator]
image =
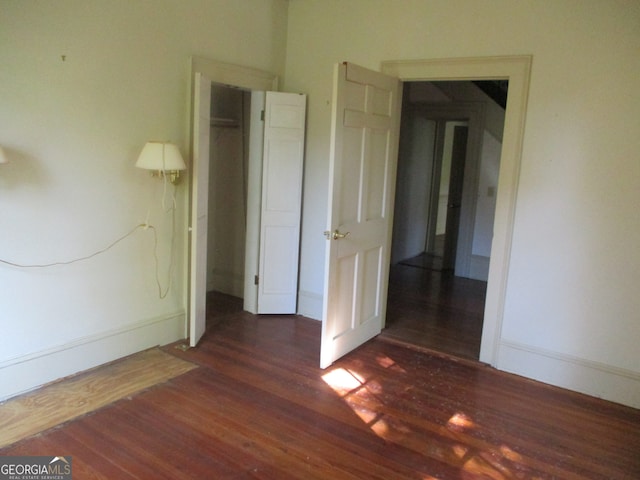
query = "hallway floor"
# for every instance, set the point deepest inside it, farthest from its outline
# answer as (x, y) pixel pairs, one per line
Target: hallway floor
(435, 311)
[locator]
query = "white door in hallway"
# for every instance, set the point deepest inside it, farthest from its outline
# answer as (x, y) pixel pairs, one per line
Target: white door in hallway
(364, 145)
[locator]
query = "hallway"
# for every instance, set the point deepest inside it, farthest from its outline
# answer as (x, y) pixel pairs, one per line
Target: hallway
(435, 310)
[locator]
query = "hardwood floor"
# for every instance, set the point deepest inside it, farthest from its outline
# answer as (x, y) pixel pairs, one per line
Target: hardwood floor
(75, 396)
(258, 406)
(435, 310)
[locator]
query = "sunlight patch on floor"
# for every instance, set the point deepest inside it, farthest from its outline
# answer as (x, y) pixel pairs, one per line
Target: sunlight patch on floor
(361, 396)
(460, 421)
(475, 460)
(478, 467)
(342, 381)
(460, 450)
(389, 363)
(510, 454)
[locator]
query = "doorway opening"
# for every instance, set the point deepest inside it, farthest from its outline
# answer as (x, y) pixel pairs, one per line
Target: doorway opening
(255, 177)
(448, 164)
(252, 137)
(228, 178)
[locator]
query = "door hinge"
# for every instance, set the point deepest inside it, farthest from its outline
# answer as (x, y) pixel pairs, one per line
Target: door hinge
(262, 115)
(256, 280)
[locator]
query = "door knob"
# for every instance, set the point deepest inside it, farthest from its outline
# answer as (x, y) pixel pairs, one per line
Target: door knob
(335, 235)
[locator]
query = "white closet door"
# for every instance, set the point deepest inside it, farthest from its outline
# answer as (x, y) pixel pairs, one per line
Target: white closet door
(200, 207)
(283, 152)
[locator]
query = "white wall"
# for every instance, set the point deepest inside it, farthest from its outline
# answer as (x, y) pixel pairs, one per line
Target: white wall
(83, 84)
(486, 204)
(415, 168)
(571, 312)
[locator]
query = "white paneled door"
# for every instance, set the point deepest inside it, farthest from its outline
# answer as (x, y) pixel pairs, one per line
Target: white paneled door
(199, 208)
(364, 143)
(284, 128)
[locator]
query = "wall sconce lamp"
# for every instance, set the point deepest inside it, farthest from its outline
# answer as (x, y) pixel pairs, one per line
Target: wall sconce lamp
(3, 157)
(163, 159)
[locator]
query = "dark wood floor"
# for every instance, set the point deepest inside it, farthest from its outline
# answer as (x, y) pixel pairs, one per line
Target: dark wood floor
(258, 406)
(435, 310)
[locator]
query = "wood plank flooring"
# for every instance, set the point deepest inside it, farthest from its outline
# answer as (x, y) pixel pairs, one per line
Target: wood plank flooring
(258, 406)
(62, 401)
(435, 310)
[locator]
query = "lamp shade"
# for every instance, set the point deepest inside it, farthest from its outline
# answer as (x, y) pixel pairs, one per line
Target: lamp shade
(3, 157)
(160, 156)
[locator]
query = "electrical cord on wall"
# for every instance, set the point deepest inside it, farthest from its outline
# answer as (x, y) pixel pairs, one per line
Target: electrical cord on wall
(173, 207)
(155, 251)
(145, 226)
(80, 259)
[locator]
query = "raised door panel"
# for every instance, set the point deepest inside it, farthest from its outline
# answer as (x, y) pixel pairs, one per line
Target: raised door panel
(365, 126)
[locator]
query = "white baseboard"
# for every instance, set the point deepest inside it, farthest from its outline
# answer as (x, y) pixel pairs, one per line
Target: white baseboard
(24, 373)
(310, 305)
(592, 378)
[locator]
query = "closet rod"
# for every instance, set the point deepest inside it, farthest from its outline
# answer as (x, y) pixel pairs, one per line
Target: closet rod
(224, 122)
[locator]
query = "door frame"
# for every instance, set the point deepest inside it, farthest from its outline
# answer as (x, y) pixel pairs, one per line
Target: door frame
(230, 75)
(517, 70)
